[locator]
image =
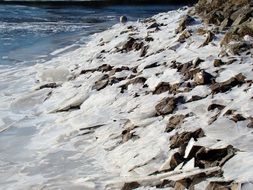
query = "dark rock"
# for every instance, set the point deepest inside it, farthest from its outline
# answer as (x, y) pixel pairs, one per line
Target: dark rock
(130, 186)
(238, 117)
(176, 159)
(166, 106)
(151, 65)
(195, 98)
(215, 106)
(183, 138)
(206, 157)
(154, 25)
(128, 46)
(138, 45)
(149, 39)
(174, 122)
(218, 63)
(227, 85)
(144, 50)
(49, 85)
(104, 68)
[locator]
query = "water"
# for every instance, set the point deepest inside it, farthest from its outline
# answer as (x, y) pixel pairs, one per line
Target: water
(30, 35)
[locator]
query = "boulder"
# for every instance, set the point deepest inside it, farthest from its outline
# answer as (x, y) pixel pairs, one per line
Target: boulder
(183, 138)
(165, 106)
(174, 122)
(227, 85)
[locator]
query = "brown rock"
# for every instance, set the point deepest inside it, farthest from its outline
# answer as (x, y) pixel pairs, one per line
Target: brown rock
(183, 138)
(238, 117)
(206, 157)
(130, 186)
(166, 106)
(203, 77)
(214, 185)
(186, 20)
(174, 122)
(104, 68)
(176, 159)
(250, 124)
(162, 87)
(99, 85)
(183, 36)
(209, 37)
(227, 85)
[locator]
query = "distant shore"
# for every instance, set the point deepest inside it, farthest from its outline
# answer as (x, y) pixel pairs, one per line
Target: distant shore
(97, 3)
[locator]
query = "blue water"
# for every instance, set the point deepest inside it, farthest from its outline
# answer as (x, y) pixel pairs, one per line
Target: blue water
(29, 34)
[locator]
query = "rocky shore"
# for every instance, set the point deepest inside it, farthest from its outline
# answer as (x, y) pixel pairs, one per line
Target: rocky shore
(166, 102)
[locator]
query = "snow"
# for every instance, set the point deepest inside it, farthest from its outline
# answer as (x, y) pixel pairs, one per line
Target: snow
(76, 120)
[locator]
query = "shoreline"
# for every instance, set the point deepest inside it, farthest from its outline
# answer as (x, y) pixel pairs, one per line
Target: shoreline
(164, 102)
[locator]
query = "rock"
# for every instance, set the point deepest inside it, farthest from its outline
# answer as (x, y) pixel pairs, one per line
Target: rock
(130, 186)
(186, 20)
(166, 106)
(238, 117)
(144, 50)
(227, 85)
(151, 65)
(225, 23)
(203, 78)
(49, 85)
(206, 157)
(128, 46)
(218, 63)
(195, 98)
(123, 19)
(183, 138)
(201, 31)
(209, 37)
(250, 124)
(174, 122)
(104, 68)
(183, 36)
(154, 25)
(101, 84)
(149, 39)
(238, 47)
(118, 69)
(162, 87)
(196, 62)
(137, 80)
(214, 185)
(176, 159)
(215, 106)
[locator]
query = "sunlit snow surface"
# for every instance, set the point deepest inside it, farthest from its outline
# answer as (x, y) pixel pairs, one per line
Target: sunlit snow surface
(53, 153)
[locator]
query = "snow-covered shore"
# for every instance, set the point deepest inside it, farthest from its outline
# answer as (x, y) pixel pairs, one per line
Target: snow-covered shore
(157, 103)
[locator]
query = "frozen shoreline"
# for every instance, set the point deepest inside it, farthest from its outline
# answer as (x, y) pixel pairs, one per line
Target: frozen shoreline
(105, 102)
